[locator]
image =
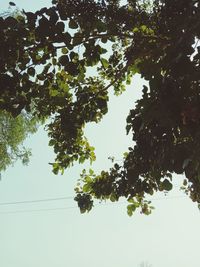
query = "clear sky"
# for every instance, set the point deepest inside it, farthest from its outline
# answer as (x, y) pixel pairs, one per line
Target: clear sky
(33, 236)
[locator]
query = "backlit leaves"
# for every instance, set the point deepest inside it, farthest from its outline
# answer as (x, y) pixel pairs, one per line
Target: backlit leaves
(46, 58)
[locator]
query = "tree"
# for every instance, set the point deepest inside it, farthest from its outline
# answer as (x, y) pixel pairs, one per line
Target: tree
(13, 132)
(45, 57)
(145, 264)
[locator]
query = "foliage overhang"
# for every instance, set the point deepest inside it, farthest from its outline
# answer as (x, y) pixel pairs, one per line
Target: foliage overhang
(45, 57)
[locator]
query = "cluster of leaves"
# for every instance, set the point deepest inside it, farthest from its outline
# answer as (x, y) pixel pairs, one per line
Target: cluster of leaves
(45, 57)
(165, 121)
(44, 69)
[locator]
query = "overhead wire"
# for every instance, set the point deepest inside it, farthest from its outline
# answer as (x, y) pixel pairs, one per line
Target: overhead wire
(35, 201)
(75, 207)
(36, 210)
(43, 200)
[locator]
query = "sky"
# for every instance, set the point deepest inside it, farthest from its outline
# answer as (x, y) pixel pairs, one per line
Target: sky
(55, 234)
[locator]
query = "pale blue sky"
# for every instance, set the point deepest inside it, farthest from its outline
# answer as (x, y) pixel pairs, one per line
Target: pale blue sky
(106, 237)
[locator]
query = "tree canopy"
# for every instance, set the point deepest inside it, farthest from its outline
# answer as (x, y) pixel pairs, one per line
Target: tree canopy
(13, 132)
(46, 58)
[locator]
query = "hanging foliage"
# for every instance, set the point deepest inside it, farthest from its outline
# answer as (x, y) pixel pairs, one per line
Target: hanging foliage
(44, 69)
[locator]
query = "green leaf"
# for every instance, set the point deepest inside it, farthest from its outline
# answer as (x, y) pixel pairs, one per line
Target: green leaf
(54, 61)
(113, 197)
(128, 81)
(81, 159)
(101, 26)
(54, 92)
(64, 50)
(143, 28)
(86, 188)
(104, 62)
(167, 185)
(52, 142)
(130, 209)
(55, 168)
(91, 172)
(12, 4)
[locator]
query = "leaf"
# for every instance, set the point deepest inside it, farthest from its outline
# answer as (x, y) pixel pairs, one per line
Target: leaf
(41, 77)
(167, 185)
(81, 159)
(52, 142)
(143, 28)
(72, 68)
(130, 209)
(113, 197)
(64, 50)
(54, 61)
(128, 81)
(105, 63)
(73, 24)
(67, 38)
(101, 26)
(60, 26)
(11, 22)
(136, 29)
(104, 40)
(91, 172)
(31, 71)
(12, 4)
(86, 188)
(64, 60)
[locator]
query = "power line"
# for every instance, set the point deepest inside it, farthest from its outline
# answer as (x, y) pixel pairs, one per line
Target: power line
(163, 198)
(36, 210)
(34, 201)
(43, 200)
(75, 207)
(48, 200)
